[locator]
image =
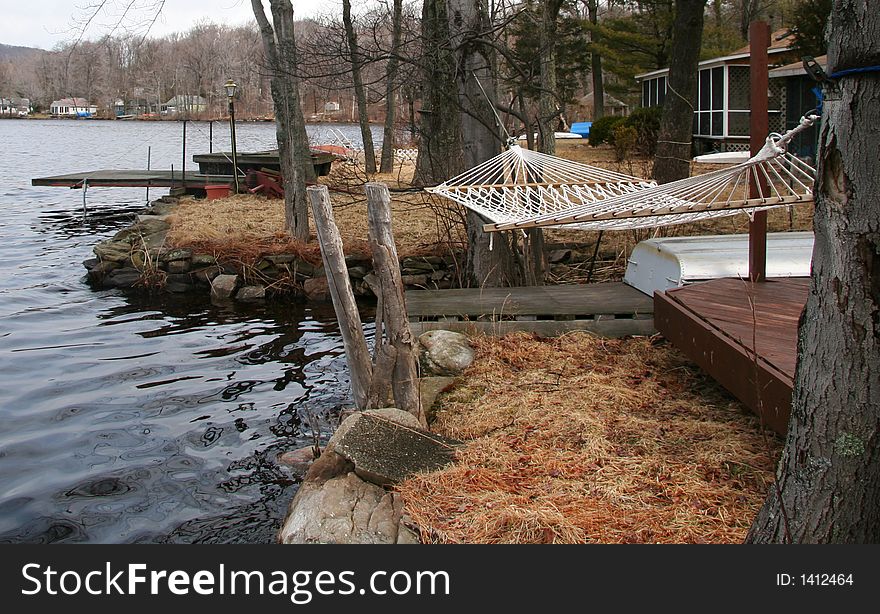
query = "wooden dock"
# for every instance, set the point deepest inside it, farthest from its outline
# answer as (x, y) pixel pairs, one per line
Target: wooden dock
(133, 179)
(743, 334)
(607, 309)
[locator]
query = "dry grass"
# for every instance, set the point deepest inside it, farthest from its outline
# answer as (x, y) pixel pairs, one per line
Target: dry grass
(579, 439)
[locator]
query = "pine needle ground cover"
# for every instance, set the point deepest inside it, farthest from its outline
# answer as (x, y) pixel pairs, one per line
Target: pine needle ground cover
(580, 439)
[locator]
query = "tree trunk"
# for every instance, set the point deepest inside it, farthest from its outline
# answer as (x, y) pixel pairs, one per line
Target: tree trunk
(596, 62)
(393, 337)
(535, 263)
(828, 484)
(673, 158)
(549, 112)
(387, 163)
(339, 284)
(439, 155)
(491, 261)
(360, 93)
(279, 44)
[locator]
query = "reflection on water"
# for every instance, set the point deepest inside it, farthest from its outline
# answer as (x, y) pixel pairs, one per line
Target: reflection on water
(131, 418)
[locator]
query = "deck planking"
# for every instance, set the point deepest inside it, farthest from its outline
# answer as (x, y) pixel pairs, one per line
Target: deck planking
(132, 179)
(743, 334)
(610, 309)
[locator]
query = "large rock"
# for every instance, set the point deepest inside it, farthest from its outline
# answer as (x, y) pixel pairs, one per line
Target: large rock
(445, 352)
(299, 460)
(250, 294)
(316, 289)
(112, 251)
(223, 286)
(431, 387)
(178, 253)
(335, 505)
(125, 277)
(345, 510)
(148, 225)
(386, 452)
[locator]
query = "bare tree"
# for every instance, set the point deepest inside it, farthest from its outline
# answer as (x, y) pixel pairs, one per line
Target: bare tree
(387, 162)
(356, 61)
(828, 483)
(279, 43)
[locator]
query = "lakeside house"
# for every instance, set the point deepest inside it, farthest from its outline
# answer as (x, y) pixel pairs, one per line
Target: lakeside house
(72, 107)
(184, 104)
(15, 107)
(721, 118)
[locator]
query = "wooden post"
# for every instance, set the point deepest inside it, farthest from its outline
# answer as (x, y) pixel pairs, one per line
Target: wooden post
(759, 127)
(394, 342)
(356, 352)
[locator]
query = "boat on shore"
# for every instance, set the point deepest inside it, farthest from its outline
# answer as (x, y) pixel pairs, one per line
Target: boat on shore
(220, 163)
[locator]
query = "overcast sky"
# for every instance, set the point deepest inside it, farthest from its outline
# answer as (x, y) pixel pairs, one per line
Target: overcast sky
(45, 23)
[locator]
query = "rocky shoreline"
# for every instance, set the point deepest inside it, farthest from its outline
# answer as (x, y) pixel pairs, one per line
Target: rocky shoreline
(346, 494)
(137, 258)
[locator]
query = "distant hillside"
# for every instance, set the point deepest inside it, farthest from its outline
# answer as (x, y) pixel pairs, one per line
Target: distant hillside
(13, 52)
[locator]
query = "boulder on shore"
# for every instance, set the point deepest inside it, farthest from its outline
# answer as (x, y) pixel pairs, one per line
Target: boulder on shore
(444, 352)
(223, 286)
(336, 504)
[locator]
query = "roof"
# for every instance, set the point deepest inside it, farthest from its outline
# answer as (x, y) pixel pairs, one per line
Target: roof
(71, 102)
(186, 99)
(796, 68)
(780, 41)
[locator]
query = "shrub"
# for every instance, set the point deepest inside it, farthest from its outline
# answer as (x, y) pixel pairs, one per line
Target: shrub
(646, 123)
(602, 130)
(625, 139)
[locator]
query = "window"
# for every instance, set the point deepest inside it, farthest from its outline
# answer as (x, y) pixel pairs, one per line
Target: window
(738, 100)
(709, 120)
(654, 92)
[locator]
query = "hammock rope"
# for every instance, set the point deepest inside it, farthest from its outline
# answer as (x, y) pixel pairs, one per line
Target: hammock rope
(521, 189)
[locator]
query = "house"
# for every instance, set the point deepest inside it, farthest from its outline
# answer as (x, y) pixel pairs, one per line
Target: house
(721, 118)
(800, 98)
(14, 107)
(72, 107)
(188, 104)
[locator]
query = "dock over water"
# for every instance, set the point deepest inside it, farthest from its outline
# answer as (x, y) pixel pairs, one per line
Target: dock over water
(133, 179)
(608, 309)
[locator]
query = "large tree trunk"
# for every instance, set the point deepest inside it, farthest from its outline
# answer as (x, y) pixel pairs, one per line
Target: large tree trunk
(672, 160)
(387, 163)
(360, 93)
(279, 44)
(534, 257)
(829, 476)
(549, 111)
(439, 155)
(490, 262)
(596, 63)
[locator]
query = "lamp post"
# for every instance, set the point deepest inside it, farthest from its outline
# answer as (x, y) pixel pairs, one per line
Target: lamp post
(230, 95)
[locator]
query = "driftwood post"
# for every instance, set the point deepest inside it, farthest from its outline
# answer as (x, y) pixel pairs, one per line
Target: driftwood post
(395, 355)
(356, 351)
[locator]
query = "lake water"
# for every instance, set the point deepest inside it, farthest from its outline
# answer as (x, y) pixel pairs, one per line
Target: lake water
(136, 419)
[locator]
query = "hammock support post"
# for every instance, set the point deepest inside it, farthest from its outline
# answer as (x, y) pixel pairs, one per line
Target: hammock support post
(759, 126)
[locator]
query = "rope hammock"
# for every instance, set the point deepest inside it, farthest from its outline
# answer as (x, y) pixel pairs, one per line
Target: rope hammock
(521, 189)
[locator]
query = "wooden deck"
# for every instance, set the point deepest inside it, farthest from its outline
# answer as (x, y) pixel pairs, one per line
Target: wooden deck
(132, 179)
(608, 309)
(743, 334)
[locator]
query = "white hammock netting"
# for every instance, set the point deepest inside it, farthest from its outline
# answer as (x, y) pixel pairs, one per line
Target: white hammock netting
(521, 188)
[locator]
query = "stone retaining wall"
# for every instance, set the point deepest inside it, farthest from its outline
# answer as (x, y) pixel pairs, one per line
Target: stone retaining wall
(136, 258)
